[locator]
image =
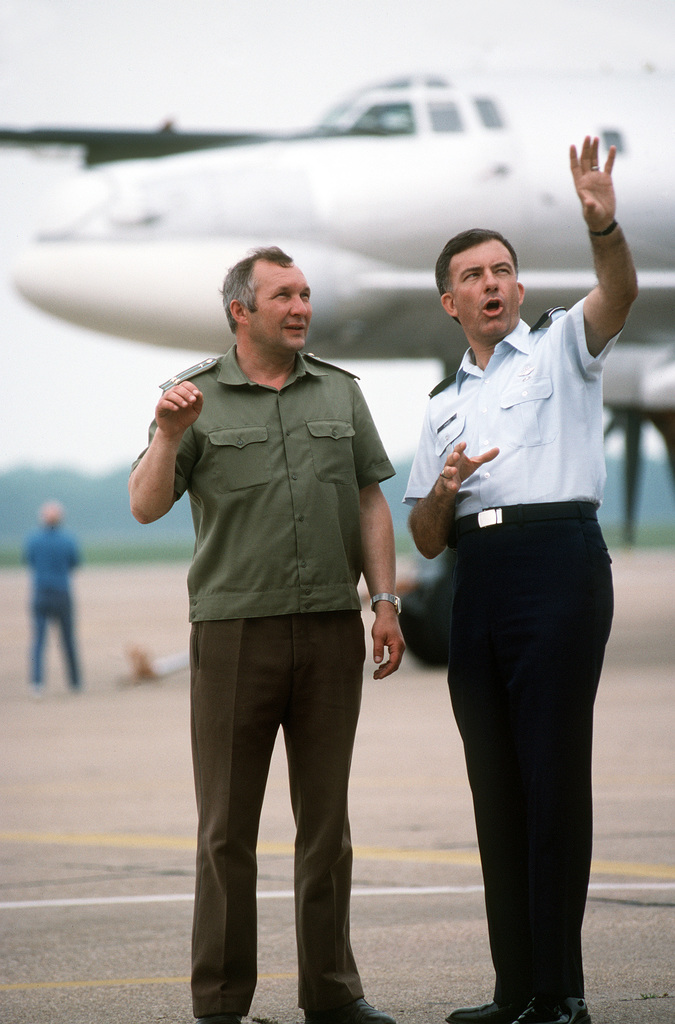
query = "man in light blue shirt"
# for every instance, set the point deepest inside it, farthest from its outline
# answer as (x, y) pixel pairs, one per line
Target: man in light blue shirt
(510, 469)
(539, 399)
(52, 553)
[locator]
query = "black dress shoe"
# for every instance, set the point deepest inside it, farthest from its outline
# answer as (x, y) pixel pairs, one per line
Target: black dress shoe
(568, 1011)
(358, 1012)
(220, 1018)
(488, 1013)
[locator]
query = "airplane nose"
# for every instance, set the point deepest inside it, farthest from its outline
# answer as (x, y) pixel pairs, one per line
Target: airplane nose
(159, 294)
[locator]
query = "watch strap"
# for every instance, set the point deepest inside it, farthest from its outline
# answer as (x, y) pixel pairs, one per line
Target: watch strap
(392, 598)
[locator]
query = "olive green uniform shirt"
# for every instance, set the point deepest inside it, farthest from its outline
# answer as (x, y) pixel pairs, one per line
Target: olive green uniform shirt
(274, 479)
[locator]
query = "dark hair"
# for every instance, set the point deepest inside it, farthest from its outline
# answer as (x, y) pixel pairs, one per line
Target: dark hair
(239, 283)
(466, 240)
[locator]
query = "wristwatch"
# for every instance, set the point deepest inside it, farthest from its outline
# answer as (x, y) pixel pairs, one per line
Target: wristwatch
(396, 601)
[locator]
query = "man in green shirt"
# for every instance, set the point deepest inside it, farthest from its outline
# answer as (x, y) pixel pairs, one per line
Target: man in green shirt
(282, 463)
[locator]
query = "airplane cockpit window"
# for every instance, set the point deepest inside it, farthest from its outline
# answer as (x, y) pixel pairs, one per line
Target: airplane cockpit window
(611, 137)
(386, 119)
(488, 112)
(445, 117)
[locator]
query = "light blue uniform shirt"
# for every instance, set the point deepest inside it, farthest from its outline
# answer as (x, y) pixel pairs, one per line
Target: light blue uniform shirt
(539, 400)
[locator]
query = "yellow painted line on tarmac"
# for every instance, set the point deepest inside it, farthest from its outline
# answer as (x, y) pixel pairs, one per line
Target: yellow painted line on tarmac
(598, 867)
(123, 839)
(462, 857)
(623, 867)
(28, 986)
(158, 842)
(466, 857)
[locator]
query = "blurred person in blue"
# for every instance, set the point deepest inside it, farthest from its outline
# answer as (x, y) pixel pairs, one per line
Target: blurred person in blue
(52, 553)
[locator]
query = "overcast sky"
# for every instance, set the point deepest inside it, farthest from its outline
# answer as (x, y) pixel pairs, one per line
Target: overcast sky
(73, 398)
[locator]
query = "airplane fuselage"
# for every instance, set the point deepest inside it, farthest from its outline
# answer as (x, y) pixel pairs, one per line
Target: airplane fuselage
(139, 249)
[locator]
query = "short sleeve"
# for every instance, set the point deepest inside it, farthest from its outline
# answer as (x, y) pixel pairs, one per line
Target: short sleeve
(371, 463)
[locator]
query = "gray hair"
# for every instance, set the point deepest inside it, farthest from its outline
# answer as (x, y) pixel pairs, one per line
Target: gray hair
(239, 281)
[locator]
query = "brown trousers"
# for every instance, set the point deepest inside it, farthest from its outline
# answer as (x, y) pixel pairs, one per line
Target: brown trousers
(250, 676)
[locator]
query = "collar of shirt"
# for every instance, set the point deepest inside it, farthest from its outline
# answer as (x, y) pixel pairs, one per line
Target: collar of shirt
(231, 372)
(519, 338)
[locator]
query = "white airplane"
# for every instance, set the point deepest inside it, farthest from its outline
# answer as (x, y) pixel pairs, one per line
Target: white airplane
(137, 244)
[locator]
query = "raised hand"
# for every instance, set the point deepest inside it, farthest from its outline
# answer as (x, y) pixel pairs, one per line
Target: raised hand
(178, 408)
(594, 185)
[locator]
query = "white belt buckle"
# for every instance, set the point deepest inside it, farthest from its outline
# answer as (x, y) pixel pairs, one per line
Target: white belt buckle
(489, 517)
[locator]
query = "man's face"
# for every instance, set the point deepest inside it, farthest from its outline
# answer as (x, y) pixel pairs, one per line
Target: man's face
(484, 292)
(280, 322)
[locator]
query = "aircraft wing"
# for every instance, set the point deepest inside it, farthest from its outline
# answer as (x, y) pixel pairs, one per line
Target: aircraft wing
(102, 146)
(106, 146)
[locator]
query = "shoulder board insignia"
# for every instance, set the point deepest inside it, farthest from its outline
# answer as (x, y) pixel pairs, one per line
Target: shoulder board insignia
(443, 385)
(333, 366)
(550, 314)
(205, 364)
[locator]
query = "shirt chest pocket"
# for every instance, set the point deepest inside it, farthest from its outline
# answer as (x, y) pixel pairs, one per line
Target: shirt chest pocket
(448, 434)
(528, 416)
(331, 446)
(241, 457)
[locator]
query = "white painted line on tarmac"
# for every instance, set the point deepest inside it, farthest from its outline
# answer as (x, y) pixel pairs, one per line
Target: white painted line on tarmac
(97, 901)
(283, 894)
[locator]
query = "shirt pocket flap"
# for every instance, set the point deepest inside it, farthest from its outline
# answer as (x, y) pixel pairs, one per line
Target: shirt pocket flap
(330, 428)
(238, 437)
(527, 391)
(448, 433)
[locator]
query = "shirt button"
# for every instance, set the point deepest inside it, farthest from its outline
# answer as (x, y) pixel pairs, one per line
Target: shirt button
(288, 433)
(486, 476)
(294, 476)
(301, 519)
(239, 442)
(334, 433)
(524, 393)
(303, 565)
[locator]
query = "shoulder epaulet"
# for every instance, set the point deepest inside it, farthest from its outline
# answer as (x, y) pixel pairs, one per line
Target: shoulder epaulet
(333, 366)
(550, 314)
(193, 371)
(443, 385)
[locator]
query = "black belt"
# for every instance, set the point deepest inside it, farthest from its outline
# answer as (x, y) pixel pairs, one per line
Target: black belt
(526, 514)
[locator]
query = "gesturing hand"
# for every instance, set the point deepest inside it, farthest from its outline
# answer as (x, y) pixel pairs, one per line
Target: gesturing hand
(594, 186)
(459, 467)
(178, 408)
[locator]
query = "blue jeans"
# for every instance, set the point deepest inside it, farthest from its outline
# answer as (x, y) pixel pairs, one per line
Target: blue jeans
(57, 606)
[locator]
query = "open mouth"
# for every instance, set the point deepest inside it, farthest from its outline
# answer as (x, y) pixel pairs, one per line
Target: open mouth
(493, 306)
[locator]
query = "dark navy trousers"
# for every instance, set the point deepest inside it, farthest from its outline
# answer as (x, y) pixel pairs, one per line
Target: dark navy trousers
(531, 616)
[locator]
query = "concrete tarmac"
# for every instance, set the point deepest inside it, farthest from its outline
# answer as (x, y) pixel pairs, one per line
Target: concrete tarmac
(98, 823)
